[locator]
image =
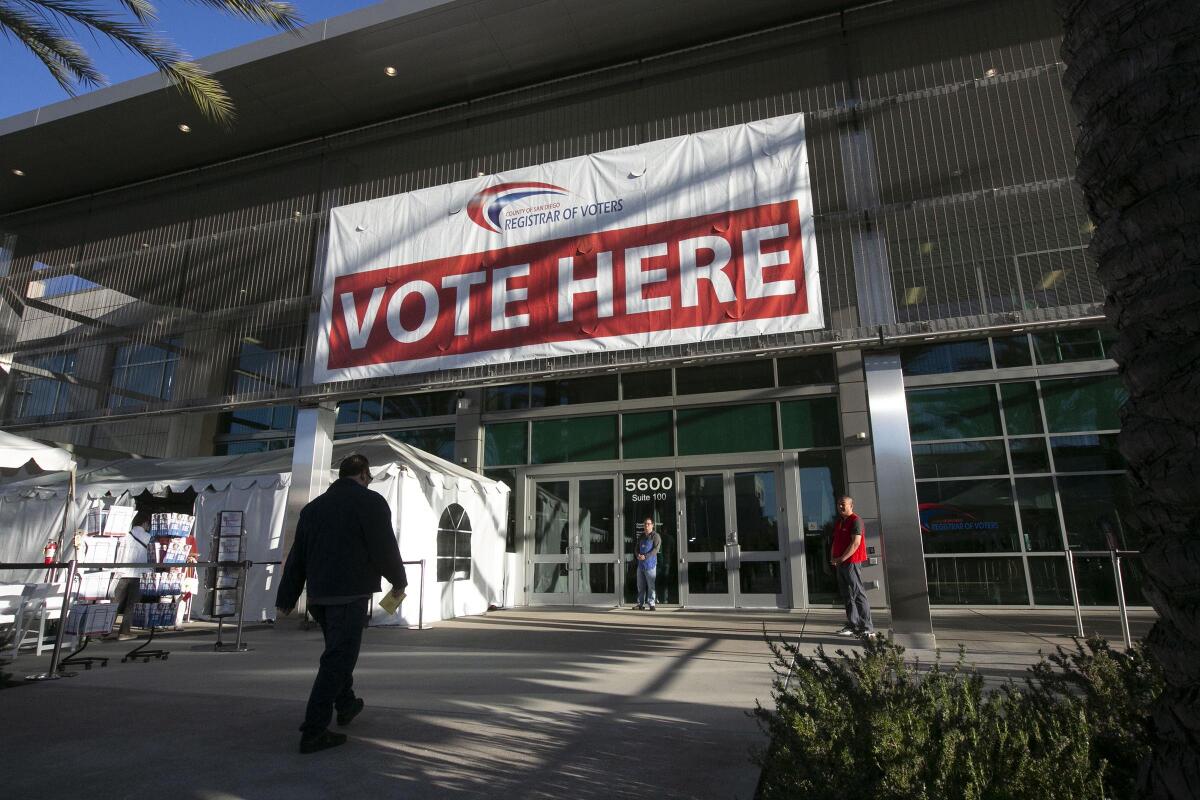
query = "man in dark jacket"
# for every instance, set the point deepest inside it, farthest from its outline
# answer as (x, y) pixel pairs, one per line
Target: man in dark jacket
(344, 544)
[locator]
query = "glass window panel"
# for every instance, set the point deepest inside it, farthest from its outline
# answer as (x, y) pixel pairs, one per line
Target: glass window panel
(757, 509)
(704, 498)
(240, 448)
(512, 397)
(551, 523)
(550, 578)
(248, 420)
(810, 423)
(1039, 514)
(1091, 453)
(961, 412)
(283, 418)
(439, 441)
(593, 389)
(554, 441)
(726, 429)
(597, 527)
(1060, 347)
(1097, 586)
(647, 435)
(725, 377)
(1050, 581)
(707, 578)
(602, 578)
(807, 370)
(820, 482)
(760, 577)
(1095, 508)
(347, 412)
(640, 385)
(1012, 351)
(659, 505)
(1029, 455)
(504, 443)
(411, 406)
(1083, 404)
(976, 581)
(1021, 412)
(967, 516)
(509, 478)
(445, 544)
(371, 409)
(948, 357)
(960, 459)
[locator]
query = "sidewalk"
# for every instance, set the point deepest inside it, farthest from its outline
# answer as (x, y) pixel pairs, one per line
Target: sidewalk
(528, 703)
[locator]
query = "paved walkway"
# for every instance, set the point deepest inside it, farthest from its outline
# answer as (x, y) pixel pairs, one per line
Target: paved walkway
(531, 703)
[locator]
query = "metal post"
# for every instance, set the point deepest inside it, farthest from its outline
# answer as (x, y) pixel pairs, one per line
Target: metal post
(52, 674)
(1074, 592)
(421, 600)
(1116, 562)
(237, 643)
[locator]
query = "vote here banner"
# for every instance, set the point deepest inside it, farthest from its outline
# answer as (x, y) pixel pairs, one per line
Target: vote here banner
(702, 237)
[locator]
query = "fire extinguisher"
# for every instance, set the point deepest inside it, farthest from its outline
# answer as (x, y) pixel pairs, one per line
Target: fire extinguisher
(49, 551)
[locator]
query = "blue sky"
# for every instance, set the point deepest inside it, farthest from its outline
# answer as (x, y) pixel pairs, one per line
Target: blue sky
(198, 31)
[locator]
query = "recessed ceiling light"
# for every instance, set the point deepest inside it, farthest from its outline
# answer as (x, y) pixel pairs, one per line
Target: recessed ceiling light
(389, 71)
(990, 72)
(20, 173)
(185, 128)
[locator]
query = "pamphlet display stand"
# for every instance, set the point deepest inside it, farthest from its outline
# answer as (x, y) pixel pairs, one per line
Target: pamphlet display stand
(228, 578)
(162, 590)
(84, 621)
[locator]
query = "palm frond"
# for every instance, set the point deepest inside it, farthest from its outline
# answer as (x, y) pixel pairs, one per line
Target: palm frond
(281, 15)
(67, 62)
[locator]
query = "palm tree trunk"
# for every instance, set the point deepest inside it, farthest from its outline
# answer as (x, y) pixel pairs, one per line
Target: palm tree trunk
(1133, 73)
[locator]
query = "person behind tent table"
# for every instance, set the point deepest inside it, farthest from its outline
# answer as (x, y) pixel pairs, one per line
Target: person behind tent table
(129, 588)
(648, 545)
(344, 544)
(849, 551)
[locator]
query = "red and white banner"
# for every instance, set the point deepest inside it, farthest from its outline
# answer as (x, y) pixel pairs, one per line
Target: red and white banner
(702, 237)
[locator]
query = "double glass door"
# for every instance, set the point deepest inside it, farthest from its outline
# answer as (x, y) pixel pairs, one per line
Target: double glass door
(731, 550)
(574, 557)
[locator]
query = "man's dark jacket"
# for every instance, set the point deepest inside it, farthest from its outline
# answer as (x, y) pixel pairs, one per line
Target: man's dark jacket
(344, 543)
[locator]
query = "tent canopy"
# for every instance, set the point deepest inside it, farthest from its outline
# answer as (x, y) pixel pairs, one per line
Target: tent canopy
(17, 451)
(267, 470)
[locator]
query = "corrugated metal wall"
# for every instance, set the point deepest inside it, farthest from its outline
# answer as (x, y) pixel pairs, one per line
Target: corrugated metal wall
(940, 148)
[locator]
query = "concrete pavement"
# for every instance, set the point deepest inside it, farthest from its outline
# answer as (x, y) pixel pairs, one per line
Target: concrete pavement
(529, 703)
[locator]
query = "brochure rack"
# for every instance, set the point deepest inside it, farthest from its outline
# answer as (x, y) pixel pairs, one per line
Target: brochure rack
(228, 579)
(86, 620)
(163, 589)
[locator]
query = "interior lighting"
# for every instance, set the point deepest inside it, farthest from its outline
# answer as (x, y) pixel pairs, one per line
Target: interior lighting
(990, 72)
(1051, 278)
(914, 295)
(184, 127)
(926, 248)
(20, 173)
(389, 71)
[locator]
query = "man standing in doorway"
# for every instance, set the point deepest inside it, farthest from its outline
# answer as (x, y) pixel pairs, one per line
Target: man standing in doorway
(848, 552)
(648, 545)
(344, 544)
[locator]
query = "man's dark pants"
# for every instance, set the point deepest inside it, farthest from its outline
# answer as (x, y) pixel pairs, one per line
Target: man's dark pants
(334, 687)
(858, 608)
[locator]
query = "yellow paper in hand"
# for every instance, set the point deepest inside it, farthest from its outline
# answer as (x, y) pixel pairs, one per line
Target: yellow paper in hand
(391, 604)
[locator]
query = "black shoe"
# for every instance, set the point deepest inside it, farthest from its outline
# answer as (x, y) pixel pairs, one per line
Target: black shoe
(345, 717)
(321, 741)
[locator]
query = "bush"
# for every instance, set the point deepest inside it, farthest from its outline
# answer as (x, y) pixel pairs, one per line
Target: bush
(868, 724)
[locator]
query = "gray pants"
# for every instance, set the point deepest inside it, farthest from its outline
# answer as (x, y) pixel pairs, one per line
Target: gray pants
(858, 608)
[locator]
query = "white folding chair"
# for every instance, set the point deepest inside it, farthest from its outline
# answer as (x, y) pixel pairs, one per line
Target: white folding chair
(11, 601)
(39, 602)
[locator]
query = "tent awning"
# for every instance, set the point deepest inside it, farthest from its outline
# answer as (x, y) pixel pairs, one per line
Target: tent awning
(17, 451)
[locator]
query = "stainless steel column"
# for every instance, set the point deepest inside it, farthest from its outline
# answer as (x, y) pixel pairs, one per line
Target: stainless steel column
(311, 461)
(903, 551)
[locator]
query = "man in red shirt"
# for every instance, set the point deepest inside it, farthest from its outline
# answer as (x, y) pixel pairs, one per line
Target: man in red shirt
(848, 552)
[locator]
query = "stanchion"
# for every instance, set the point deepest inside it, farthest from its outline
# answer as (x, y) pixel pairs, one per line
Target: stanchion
(1120, 581)
(421, 600)
(53, 674)
(1074, 593)
(238, 646)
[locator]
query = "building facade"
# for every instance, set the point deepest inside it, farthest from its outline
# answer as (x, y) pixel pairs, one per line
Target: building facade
(168, 302)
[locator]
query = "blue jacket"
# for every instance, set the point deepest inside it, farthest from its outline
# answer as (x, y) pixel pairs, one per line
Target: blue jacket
(344, 544)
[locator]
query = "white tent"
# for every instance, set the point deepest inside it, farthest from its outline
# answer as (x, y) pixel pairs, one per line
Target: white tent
(419, 487)
(26, 527)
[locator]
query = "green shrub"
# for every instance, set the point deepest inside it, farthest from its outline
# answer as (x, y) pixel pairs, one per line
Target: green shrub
(868, 724)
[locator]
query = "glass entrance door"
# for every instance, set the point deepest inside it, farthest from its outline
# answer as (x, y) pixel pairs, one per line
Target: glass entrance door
(573, 556)
(732, 530)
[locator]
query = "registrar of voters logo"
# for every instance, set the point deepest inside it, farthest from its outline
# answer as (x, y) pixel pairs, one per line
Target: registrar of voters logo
(513, 206)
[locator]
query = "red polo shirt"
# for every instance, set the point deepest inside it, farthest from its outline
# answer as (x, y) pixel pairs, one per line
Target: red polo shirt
(843, 533)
